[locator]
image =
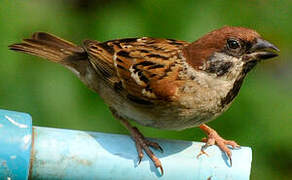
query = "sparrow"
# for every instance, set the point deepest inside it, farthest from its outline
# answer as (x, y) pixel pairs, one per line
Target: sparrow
(161, 83)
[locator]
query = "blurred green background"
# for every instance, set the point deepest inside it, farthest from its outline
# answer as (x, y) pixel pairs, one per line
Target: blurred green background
(260, 117)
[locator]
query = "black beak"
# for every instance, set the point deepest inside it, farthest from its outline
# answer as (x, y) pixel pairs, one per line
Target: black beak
(262, 49)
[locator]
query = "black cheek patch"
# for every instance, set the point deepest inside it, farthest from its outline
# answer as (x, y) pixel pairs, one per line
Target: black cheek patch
(224, 68)
(219, 67)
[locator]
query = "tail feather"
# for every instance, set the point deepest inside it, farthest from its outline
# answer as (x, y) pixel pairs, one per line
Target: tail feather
(48, 46)
(42, 36)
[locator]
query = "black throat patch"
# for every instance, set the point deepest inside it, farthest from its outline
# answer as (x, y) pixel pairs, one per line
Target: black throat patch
(237, 84)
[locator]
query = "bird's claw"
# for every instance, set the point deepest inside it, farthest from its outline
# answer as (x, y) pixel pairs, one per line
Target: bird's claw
(214, 138)
(143, 144)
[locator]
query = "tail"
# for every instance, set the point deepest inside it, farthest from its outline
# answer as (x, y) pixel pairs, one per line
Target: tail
(50, 47)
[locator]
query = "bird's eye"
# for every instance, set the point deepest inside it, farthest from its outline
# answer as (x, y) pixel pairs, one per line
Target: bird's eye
(233, 44)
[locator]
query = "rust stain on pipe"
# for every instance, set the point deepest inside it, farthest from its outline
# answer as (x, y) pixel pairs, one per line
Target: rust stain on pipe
(32, 154)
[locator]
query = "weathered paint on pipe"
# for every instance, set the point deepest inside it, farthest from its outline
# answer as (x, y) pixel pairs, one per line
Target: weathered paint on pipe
(15, 145)
(70, 154)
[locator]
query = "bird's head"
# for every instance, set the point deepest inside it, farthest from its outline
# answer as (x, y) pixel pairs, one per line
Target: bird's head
(229, 50)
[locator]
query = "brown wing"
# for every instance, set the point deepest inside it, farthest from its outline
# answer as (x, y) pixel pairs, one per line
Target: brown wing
(143, 69)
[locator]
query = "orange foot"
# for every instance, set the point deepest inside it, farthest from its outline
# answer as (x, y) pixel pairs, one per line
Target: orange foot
(143, 144)
(215, 138)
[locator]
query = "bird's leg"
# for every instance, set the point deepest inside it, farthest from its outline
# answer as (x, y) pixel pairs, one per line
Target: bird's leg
(215, 138)
(142, 143)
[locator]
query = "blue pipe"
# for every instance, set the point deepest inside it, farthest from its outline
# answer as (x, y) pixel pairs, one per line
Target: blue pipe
(15, 145)
(49, 153)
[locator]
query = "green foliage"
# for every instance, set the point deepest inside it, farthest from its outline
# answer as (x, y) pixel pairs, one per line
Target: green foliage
(260, 117)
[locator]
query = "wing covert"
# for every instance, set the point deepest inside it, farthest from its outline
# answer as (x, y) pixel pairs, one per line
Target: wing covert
(145, 68)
